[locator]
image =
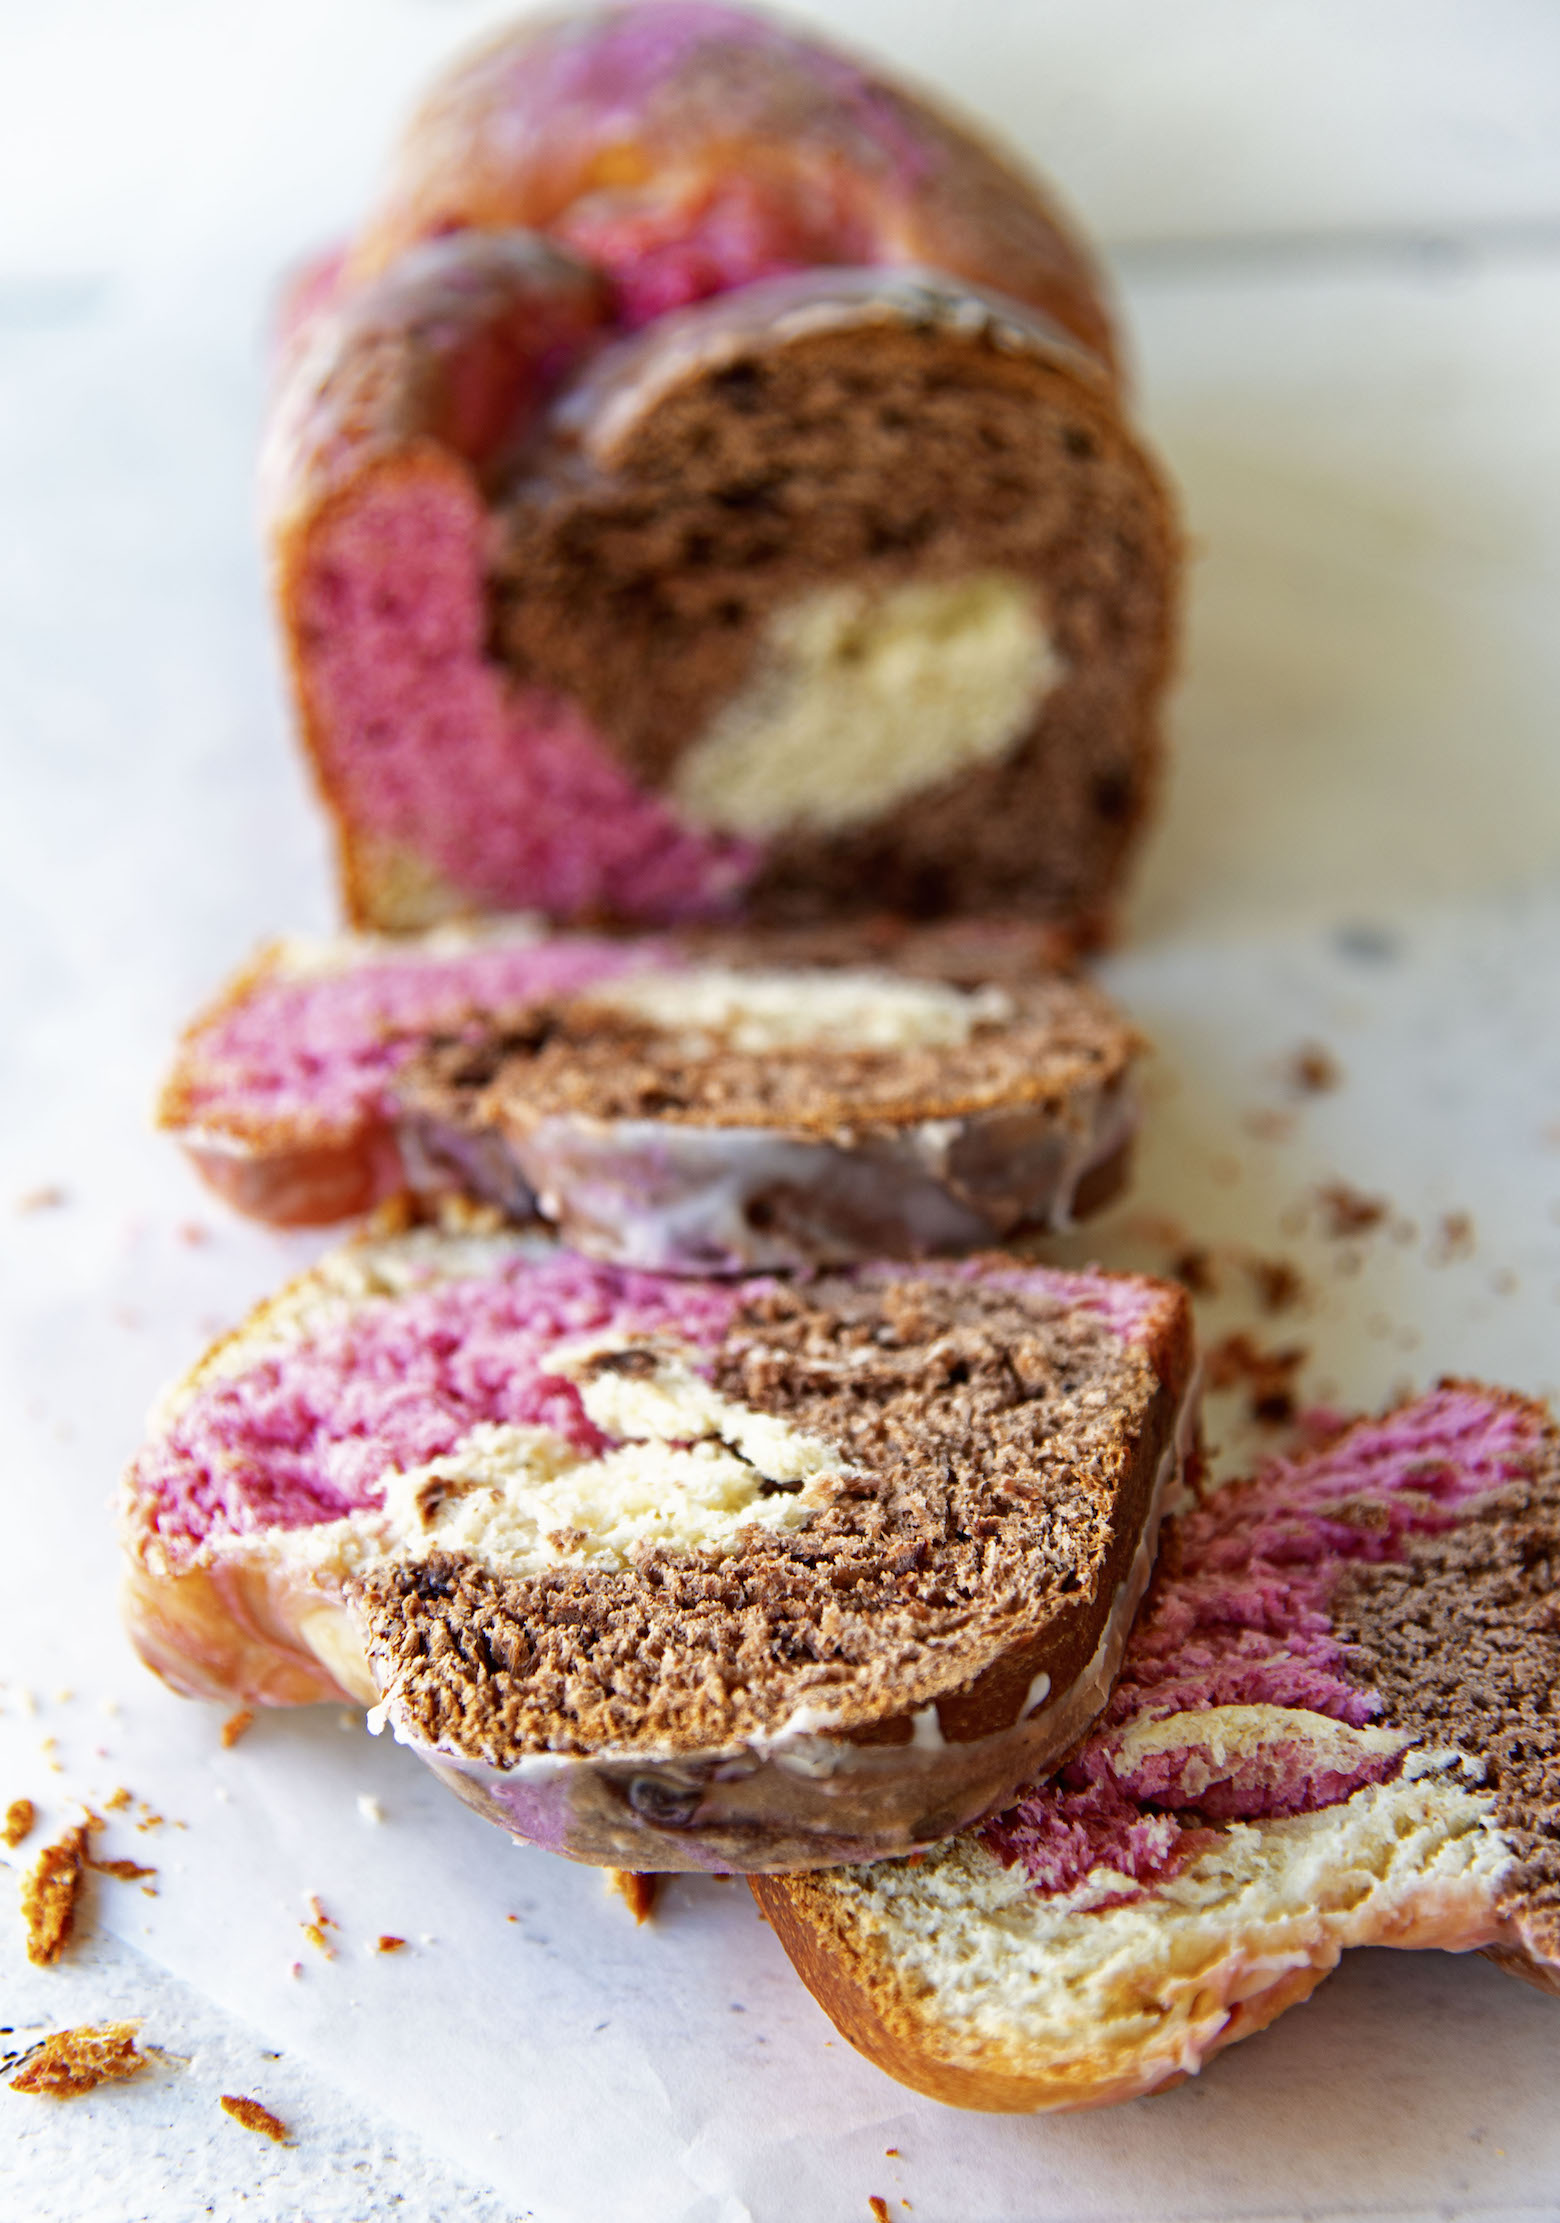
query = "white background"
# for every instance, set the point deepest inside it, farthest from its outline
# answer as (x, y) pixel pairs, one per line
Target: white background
(1336, 231)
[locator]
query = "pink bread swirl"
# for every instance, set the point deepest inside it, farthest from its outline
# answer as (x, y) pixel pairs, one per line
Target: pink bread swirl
(1333, 1727)
(673, 1574)
(830, 577)
(696, 1106)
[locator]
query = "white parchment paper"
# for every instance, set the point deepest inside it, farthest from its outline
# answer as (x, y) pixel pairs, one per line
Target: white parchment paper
(1360, 850)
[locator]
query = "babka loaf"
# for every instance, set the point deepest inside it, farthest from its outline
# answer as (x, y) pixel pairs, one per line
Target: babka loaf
(707, 494)
(688, 1108)
(1333, 1727)
(673, 1574)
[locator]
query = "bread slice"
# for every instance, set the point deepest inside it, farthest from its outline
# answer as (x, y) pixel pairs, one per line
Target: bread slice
(708, 494)
(1332, 1727)
(673, 1574)
(682, 1107)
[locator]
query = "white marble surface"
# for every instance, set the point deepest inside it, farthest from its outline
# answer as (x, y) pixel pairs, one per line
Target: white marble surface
(1339, 238)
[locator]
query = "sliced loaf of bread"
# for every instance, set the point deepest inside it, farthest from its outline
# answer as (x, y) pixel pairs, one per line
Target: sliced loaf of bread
(704, 491)
(1333, 1727)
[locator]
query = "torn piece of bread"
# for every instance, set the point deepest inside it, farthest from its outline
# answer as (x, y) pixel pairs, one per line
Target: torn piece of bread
(1332, 1728)
(694, 1107)
(674, 1574)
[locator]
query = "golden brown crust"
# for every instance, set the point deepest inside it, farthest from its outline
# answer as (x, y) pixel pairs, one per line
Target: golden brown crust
(418, 378)
(305, 1188)
(1229, 1995)
(251, 1631)
(494, 145)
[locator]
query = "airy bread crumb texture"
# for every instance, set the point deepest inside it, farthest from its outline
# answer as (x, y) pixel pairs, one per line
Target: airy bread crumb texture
(74, 2061)
(949, 1461)
(253, 2116)
(50, 1892)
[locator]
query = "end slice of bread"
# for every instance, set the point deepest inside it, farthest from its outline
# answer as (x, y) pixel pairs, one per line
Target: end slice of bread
(674, 1574)
(1332, 1728)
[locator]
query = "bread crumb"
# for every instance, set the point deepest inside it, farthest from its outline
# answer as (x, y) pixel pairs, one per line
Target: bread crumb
(236, 1725)
(47, 1197)
(393, 1217)
(1194, 1268)
(126, 1871)
(119, 1801)
(1277, 1285)
(1267, 1125)
(19, 1818)
(1313, 1070)
(369, 1808)
(1453, 1239)
(1348, 1211)
(388, 1944)
(636, 1889)
(315, 1930)
(879, 2208)
(75, 2061)
(890, 2153)
(50, 1892)
(253, 2116)
(1269, 1375)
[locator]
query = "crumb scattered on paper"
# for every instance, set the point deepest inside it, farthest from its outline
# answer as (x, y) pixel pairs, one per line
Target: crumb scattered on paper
(1239, 1360)
(125, 1871)
(19, 1818)
(253, 2116)
(315, 1930)
(1195, 1269)
(389, 1944)
(636, 1889)
(47, 1197)
(75, 2061)
(1349, 1211)
(1453, 1239)
(879, 2208)
(235, 1725)
(50, 1891)
(1276, 1284)
(369, 1808)
(1313, 1070)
